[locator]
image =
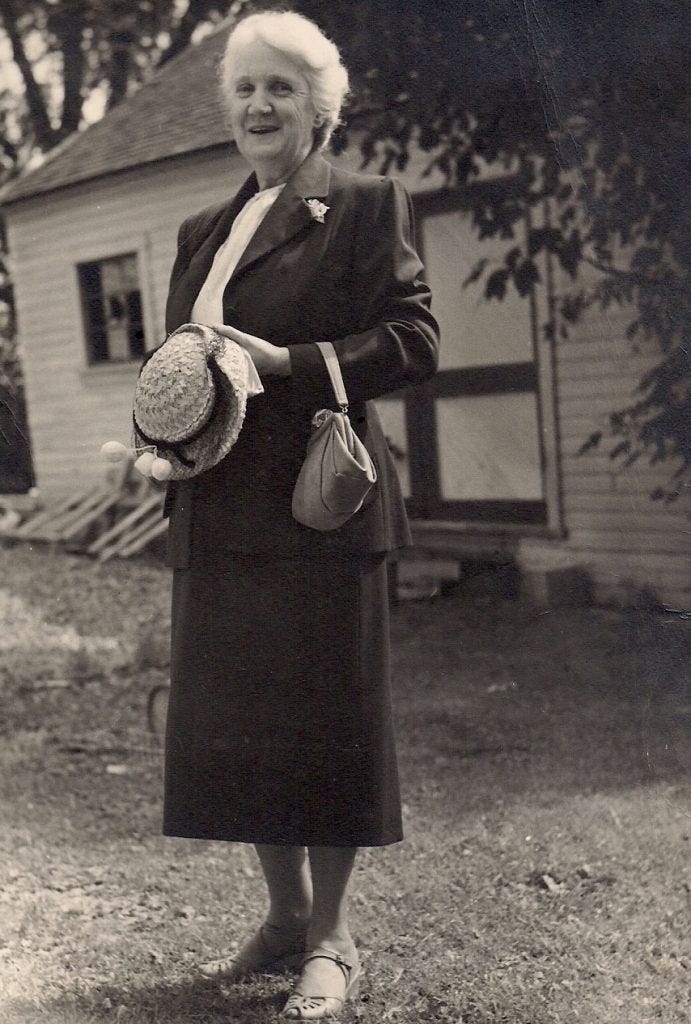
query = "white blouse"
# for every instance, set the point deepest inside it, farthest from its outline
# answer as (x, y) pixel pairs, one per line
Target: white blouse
(208, 307)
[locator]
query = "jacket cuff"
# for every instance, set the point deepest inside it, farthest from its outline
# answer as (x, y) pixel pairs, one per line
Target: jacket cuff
(309, 376)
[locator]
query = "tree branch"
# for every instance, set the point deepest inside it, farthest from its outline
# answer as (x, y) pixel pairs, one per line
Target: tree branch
(180, 38)
(625, 275)
(69, 30)
(45, 135)
(9, 150)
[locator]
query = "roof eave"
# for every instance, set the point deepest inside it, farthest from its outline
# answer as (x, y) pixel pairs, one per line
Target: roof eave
(22, 196)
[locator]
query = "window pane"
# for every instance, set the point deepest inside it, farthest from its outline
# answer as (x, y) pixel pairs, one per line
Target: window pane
(118, 339)
(474, 332)
(92, 305)
(111, 301)
(136, 328)
(129, 273)
(488, 448)
(111, 276)
(392, 414)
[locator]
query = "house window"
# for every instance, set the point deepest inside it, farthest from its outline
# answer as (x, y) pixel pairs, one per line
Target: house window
(112, 306)
(468, 442)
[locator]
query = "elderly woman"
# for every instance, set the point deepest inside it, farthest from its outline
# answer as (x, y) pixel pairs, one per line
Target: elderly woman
(279, 724)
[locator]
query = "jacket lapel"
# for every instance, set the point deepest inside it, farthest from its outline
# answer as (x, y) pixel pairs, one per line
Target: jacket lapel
(290, 213)
(187, 288)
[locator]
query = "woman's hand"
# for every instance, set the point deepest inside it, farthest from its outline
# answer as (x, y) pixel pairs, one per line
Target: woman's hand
(269, 359)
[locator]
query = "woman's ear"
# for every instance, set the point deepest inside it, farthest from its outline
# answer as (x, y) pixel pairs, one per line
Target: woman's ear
(318, 120)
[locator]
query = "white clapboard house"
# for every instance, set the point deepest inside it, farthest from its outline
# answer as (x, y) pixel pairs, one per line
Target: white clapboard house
(488, 451)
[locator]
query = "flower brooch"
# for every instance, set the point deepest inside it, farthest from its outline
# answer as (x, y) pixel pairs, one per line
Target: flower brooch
(317, 209)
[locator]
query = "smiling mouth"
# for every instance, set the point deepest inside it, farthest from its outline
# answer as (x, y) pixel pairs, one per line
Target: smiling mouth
(263, 129)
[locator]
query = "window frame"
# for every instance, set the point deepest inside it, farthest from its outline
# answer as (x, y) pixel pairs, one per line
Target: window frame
(139, 251)
(535, 377)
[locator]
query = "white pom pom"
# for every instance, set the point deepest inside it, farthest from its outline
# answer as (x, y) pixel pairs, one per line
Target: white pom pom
(144, 462)
(161, 469)
(114, 451)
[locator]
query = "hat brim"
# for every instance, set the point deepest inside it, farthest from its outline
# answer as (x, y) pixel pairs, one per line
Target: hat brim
(228, 414)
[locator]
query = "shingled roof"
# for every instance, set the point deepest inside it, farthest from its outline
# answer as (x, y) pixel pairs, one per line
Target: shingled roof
(178, 111)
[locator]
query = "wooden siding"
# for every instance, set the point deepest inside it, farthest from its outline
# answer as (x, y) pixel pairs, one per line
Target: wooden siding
(632, 548)
(74, 407)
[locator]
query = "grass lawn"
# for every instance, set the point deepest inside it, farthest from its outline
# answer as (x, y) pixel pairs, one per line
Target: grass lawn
(545, 770)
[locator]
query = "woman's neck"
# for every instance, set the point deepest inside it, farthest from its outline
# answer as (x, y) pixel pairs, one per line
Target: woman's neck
(270, 174)
(268, 180)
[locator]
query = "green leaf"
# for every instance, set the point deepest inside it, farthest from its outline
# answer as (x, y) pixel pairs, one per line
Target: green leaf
(592, 442)
(495, 287)
(476, 272)
(525, 277)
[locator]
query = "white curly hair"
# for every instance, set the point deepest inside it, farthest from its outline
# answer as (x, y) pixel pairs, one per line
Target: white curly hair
(304, 42)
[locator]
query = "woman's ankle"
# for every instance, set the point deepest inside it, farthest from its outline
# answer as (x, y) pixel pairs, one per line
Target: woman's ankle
(338, 940)
(288, 922)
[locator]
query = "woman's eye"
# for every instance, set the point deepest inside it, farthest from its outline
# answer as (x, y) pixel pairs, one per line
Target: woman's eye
(282, 88)
(243, 90)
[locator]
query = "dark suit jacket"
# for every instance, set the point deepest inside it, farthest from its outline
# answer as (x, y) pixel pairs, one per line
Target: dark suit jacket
(353, 280)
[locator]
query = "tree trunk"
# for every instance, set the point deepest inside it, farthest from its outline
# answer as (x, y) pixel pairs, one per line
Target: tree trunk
(44, 134)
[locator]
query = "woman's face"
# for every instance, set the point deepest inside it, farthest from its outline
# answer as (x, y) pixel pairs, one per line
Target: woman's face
(272, 116)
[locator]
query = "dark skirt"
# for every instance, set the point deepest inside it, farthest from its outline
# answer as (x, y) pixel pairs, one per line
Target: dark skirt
(279, 721)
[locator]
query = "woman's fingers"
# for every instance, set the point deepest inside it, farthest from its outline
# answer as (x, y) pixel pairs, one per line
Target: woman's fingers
(255, 346)
(233, 333)
(266, 357)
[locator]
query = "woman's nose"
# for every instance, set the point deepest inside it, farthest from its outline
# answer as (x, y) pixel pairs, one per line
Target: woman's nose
(260, 102)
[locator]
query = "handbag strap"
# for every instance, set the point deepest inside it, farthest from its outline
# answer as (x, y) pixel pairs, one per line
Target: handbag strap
(333, 366)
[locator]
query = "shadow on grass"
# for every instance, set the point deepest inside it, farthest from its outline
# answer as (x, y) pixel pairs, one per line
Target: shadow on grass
(545, 704)
(193, 1001)
(260, 1001)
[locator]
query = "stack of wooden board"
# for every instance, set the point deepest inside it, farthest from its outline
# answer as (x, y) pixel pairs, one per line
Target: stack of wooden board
(133, 532)
(119, 518)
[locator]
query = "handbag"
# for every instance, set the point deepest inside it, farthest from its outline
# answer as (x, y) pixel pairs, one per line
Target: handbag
(338, 472)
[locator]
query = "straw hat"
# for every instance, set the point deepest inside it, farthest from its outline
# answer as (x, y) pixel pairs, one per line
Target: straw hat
(190, 399)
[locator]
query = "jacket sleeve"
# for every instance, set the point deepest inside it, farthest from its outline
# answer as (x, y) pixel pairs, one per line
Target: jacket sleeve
(177, 489)
(182, 256)
(398, 338)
